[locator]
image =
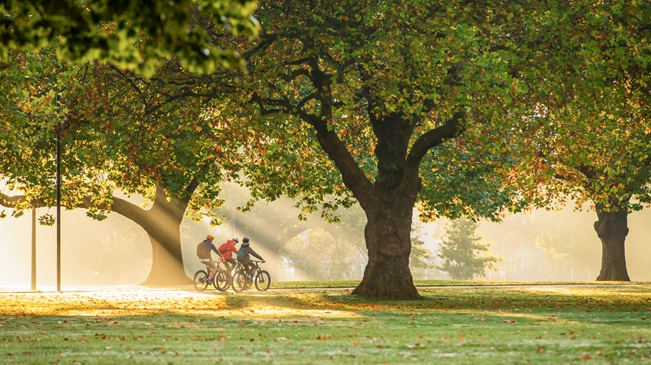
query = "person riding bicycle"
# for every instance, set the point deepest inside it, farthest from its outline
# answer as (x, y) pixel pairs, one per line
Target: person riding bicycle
(227, 250)
(204, 250)
(243, 255)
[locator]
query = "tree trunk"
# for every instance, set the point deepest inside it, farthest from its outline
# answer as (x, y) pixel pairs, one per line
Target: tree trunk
(167, 262)
(387, 274)
(162, 224)
(612, 230)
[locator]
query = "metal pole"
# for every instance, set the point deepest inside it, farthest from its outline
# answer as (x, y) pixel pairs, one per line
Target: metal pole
(58, 199)
(33, 249)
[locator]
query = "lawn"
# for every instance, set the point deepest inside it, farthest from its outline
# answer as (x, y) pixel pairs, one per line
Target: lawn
(469, 324)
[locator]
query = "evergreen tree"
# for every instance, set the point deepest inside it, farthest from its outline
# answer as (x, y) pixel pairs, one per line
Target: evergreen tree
(419, 256)
(462, 252)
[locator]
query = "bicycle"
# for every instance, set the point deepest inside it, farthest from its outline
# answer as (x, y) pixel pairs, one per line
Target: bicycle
(260, 278)
(239, 271)
(202, 278)
(223, 277)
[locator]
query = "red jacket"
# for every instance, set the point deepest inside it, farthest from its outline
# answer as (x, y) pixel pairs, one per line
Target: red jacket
(227, 249)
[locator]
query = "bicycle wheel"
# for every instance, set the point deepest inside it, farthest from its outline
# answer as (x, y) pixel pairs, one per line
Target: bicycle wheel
(201, 280)
(262, 280)
(240, 281)
(222, 280)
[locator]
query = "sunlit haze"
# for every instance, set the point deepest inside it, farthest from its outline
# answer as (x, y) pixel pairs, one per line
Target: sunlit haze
(539, 246)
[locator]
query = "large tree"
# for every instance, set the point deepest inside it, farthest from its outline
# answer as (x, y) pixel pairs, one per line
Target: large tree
(118, 131)
(590, 141)
(375, 89)
(137, 34)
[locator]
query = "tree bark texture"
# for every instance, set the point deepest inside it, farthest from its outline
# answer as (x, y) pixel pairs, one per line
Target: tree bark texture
(612, 230)
(387, 274)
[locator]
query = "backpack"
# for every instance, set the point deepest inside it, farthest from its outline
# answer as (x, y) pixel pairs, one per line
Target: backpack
(203, 251)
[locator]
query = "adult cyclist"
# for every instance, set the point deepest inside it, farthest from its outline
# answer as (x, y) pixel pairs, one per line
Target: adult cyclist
(227, 250)
(204, 250)
(243, 255)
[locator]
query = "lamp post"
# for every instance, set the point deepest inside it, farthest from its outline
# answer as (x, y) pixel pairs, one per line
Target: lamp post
(58, 97)
(33, 248)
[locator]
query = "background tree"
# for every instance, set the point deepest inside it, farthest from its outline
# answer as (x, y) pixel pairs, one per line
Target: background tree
(420, 257)
(135, 34)
(591, 142)
(462, 253)
(370, 88)
(120, 131)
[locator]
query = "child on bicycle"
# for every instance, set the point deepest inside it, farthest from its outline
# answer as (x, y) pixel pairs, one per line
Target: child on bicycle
(227, 250)
(243, 255)
(204, 250)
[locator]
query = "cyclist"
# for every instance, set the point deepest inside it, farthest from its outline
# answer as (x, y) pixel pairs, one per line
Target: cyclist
(244, 258)
(227, 250)
(204, 250)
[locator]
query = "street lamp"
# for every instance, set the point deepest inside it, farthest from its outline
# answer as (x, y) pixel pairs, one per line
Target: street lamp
(34, 248)
(58, 97)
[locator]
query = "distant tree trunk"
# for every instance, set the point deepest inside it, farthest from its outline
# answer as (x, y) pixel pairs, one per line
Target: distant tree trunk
(162, 224)
(612, 229)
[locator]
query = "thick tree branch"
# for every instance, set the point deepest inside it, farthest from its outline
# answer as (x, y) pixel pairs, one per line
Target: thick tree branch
(267, 40)
(120, 206)
(294, 75)
(433, 138)
(11, 201)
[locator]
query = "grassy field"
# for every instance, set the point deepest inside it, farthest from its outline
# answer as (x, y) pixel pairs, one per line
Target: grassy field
(507, 324)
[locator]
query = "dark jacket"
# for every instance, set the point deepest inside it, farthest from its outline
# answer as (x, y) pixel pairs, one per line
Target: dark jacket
(212, 248)
(244, 251)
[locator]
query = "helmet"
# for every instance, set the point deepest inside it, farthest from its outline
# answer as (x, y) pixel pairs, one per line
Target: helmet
(245, 239)
(236, 240)
(210, 237)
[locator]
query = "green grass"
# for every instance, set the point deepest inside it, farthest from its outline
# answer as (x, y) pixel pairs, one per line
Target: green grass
(460, 325)
(426, 283)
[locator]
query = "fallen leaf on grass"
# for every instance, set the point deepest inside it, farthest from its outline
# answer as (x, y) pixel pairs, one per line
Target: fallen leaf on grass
(586, 357)
(510, 321)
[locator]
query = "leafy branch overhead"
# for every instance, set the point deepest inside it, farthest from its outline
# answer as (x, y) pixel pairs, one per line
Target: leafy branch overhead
(136, 34)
